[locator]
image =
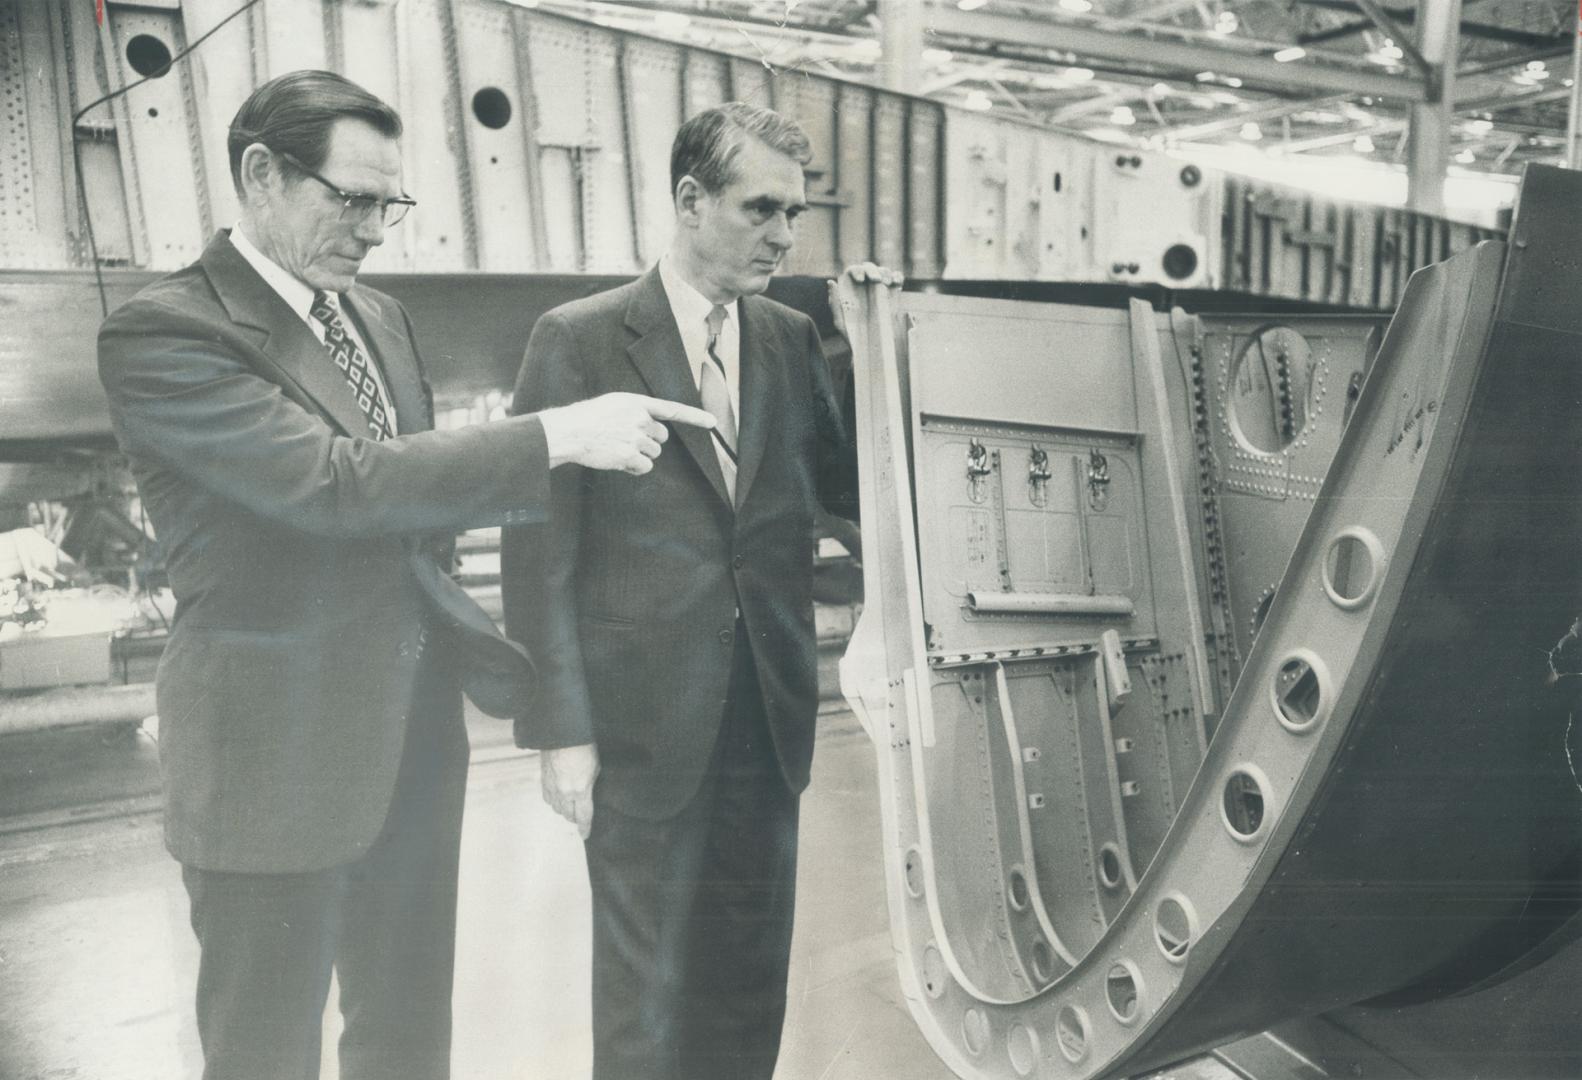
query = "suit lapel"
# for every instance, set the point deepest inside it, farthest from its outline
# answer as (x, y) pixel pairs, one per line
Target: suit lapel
(660, 358)
(761, 367)
(387, 337)
(285, 341)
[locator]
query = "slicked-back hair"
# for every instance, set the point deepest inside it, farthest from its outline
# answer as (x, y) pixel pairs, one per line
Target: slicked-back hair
(293, 114)
(707, 146)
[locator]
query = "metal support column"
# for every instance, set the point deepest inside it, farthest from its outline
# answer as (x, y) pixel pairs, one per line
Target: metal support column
(1439, 42)
(901, 35)
(1574, 113)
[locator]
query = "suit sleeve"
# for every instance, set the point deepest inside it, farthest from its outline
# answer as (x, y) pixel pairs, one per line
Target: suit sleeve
(538, 564)
(183, 398)
(836, 464)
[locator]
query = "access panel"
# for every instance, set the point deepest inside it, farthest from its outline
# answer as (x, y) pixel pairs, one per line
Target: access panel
(1097, 863)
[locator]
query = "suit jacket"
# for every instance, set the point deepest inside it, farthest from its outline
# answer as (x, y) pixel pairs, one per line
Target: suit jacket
(633, 620)
(302, 560)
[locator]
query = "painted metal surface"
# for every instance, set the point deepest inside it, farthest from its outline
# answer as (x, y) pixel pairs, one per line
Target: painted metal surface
(539, 143)
(1089, 875)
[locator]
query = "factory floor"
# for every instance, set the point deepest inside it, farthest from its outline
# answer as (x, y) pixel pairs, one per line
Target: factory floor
(97, 960)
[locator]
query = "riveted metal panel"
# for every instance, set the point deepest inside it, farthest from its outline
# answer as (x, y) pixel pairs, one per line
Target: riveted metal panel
(854, 181)
(754, 83)
(293, 36)
(159, 140)
(654, 112)
(705, 81)
(889, 159)
(434, 237)
(222, 76)
(810, 101)
(486, 47)
(926, 203)
(19, 241)
(370, 33)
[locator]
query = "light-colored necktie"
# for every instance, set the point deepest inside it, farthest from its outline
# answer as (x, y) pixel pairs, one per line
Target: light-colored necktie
(716, 397)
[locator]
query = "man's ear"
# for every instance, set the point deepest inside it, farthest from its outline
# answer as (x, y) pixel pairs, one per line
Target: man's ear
(689, 193)
(260, 173)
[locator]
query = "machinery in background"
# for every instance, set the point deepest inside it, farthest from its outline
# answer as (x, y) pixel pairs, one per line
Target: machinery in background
(1221, 675)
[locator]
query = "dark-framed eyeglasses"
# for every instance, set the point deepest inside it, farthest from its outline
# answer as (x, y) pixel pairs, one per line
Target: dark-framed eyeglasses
(356, 206)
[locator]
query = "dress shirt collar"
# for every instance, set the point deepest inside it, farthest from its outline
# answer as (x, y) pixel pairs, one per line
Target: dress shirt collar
(297, 294)
(690, 307)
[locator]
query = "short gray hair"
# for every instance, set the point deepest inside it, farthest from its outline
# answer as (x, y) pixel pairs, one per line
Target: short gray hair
(707, 146)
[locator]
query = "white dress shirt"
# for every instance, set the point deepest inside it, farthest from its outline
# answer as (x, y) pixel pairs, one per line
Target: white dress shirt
(298, 296)
(690, 309)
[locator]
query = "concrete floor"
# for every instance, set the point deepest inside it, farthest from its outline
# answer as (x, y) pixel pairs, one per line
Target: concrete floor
(97, 960)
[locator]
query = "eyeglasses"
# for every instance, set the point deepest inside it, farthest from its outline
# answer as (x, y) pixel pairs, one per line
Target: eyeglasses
(356, 206)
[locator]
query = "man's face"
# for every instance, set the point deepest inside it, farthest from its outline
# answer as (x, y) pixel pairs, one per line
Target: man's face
(301, 223)
(742, 232)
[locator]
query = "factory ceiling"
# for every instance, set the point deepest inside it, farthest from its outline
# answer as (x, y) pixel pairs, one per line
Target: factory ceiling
(1298, 77)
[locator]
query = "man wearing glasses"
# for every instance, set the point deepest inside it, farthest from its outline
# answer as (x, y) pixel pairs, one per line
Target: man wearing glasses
(279, 427)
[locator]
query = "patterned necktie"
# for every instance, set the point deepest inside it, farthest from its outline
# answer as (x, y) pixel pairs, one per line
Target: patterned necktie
(354, 366)
(717, 399)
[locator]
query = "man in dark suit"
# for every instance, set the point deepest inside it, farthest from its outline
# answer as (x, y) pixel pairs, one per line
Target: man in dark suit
(675, 632)
(279, 426)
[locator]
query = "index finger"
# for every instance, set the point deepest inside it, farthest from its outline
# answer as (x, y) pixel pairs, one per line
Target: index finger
(661, 409)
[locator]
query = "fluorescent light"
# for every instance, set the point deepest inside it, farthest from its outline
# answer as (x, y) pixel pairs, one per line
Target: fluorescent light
(1231, 81)
(1295, 52)
(1251, 132)
(1162, 89)
(1205, 76)
(1480, 127)
(1078, 74)
(1081, 7)
(971, 5)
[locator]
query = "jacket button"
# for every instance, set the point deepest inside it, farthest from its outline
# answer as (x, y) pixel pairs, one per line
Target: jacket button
(738, 562)
(725, 637)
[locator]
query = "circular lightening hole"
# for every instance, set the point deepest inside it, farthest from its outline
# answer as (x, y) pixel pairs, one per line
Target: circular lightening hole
(1110, 866)
(1243, 805)
(913, 872)
(1022, 1046)
(975, 1031)
(148, 56)
(1351, 568)
(933, 972)
(1180, 262)
(1120, 989)
(1071, 1032)
(1299, 692)
(1018, 890)
(492, 107)
(1173, 927)
(1043, 962)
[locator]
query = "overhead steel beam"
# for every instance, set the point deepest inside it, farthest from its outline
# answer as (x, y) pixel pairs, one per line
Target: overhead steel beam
(1382, 20)
(1408, 16)
(947, 21)
(1188, 132)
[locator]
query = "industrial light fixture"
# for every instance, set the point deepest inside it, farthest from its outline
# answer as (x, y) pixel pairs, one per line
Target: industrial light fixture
(1079, 74)
(1466, 157)
(1226, 23)
(1295, 52)
(1080, 7)
(1362, 144)
(1388, 53)
(1160, 90)
(1232, 81)
(1479, 127)
(1251, 132)
(937, 56)
(1122, 116)
(1205, 76)
(971, 5)
(977, 101)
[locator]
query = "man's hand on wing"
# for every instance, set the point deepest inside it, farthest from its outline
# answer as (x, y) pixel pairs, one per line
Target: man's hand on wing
(568, 776)
(859, 273)
(615, 431)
